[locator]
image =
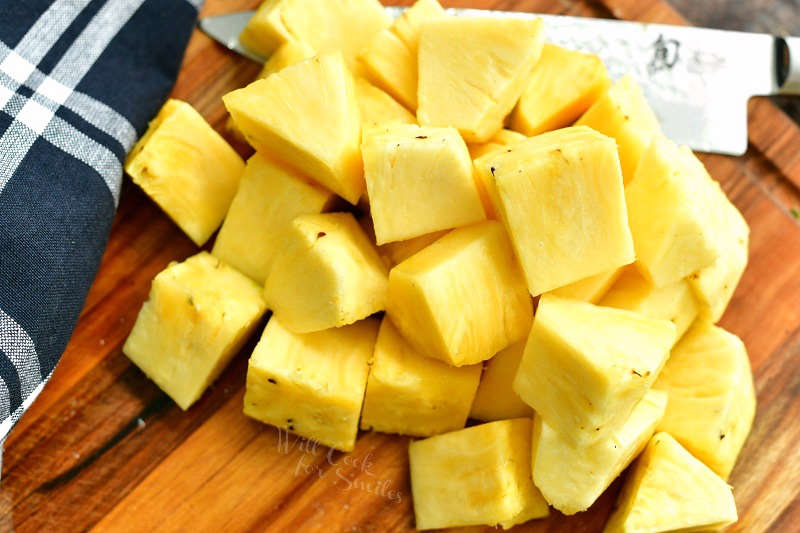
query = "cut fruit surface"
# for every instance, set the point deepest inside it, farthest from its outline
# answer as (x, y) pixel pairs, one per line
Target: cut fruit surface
(463, 298)
(585, 367)
(591, 289)
(187, 168)
(198, 315)
(329, 275)
(669, 490)
(311, 384)
(412, 394)
(306, 115)
(496, 399)
(377, 107)
(711, 396)
(475, 476)
(472, 71)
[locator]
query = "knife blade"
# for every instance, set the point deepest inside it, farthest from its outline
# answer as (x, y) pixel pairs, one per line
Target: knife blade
(697, 80)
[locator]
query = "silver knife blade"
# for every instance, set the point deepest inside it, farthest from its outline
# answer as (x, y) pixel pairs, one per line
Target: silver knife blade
(697, 80)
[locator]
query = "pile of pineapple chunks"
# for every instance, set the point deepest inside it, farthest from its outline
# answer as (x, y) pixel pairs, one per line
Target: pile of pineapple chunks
(401, 238)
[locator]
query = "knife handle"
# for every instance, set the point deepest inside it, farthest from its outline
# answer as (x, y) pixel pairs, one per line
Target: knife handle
(787, 56)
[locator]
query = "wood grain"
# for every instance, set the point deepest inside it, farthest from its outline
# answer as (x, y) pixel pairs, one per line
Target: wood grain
(104, 449)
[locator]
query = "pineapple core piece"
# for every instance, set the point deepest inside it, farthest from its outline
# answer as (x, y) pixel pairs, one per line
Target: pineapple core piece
(269, 198)
(307, 115)
(672, 210)
(572, 477)
(623, 113)
(590, 289)
(669, 490)
(462, 299)
(585, 367)
(475, 476)
(714, 285)
(328, 275)
(472, 71)
(495, 399)
(344, 25)
(187, 168)
(673, 302)
(563, 85)
(419, 180)
(711, 397)
(198, 315)
(377, 107)
(390, 59)
(412, 394)
(562, 200)
(311, 384)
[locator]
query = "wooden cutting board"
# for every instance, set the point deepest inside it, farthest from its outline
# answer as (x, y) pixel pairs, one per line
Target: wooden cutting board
(103, 448)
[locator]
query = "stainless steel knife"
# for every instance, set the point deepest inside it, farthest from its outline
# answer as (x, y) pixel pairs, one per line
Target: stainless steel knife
(697, 80)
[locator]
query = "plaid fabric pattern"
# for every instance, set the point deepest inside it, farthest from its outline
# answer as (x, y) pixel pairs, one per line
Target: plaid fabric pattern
(79, 79)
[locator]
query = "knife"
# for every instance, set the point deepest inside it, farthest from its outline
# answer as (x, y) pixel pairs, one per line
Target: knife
(697, 80)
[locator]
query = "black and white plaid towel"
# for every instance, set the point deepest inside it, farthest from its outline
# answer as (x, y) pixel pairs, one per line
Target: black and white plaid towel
(79, 79)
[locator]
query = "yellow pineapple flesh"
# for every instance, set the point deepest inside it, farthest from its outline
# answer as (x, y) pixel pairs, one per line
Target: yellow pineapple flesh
(328, 275)
(390, 58)
(377, 107)
(672, 211)
(496, 399)
(670, 490)
(623, 113)
(419, 180)
(482, 152)
(472, 71)
(711, 396)
(562, 86)
(571, 477)
(561, 198)
(591, 289)
(475, 476)
(311, 384)
(344, 25)
(397, 252)
(585, 367)
(672, 302)
(187, 168)
(270, 196)
(463, 298)
(198, 315)
(306, 115)
(412, 394)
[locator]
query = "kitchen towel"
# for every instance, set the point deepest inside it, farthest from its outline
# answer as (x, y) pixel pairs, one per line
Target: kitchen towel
(79, 79)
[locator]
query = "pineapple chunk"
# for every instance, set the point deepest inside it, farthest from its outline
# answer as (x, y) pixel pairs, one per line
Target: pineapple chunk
(198, 315)
(495, 399)
(377, 107)
(306, 114)
(711, 396)
(269, 198)
(674, 302)
(585, 367)
(187, 168)
(390, 59)
(475, 476)
(501, 139)
(714, 285)
(328, 275)
(397, 252)
(561, 198)
(590, 289)
(472, 71)
(483, 151)
(462, 299)
(419, 180)
(672, 211)
(572, 477)
(563, 85)
(669, 490)
(311, 384)
(344, 25)
(623, 113)
(412, 394)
